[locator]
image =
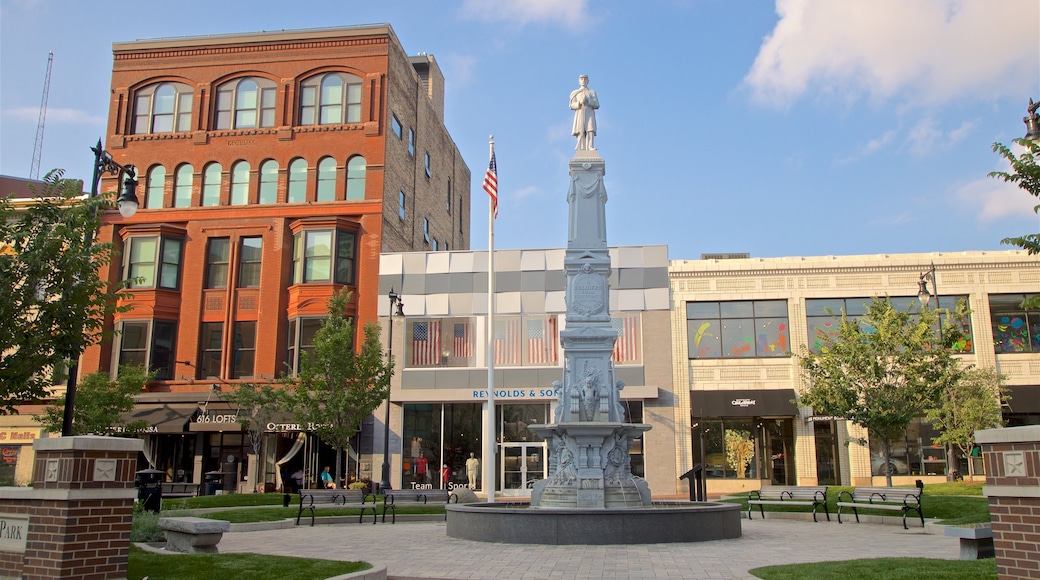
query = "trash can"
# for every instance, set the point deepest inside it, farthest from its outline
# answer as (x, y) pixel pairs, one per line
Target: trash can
(213, 481)
(149, 488)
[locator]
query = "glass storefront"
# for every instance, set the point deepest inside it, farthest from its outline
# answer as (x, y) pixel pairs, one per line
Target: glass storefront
(912, 454)
(435, 436)
(745, 448)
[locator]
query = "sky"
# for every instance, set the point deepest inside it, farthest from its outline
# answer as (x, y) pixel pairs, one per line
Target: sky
(786, 128)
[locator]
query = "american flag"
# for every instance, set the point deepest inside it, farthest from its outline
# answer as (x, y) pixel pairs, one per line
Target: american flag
(541, 341)
(507, 342)
(626, 349)
(426, 343)
(462, 345)
(491, 182)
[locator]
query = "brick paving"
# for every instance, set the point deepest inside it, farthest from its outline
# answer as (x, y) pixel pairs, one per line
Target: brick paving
(422, 550)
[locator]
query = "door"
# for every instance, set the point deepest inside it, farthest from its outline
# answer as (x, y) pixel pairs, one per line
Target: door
(827, 464)
(522, 465)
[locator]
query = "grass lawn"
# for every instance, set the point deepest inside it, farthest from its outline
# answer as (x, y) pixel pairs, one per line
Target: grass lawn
(955, 503)
(229, 500)
(144, 564)
(884, 569)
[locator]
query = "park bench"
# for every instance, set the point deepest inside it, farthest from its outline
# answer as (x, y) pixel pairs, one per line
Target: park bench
(180, 489)
(789, 495)
(976, 541)
(309, 498)
(899, 499)
(395, 497)
(193, 535)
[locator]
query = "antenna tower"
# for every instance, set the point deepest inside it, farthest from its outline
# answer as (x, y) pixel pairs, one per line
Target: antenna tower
(34, 171)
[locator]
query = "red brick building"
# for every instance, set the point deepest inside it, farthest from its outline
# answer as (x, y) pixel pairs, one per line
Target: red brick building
(274, 168)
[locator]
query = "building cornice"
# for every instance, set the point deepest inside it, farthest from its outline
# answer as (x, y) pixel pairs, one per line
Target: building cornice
(940, 266)
(288, 40)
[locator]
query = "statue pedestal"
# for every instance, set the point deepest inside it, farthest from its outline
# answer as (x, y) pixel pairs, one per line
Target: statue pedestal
(590, 467)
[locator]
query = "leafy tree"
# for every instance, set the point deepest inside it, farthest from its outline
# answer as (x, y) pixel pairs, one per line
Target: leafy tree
(100, 404)
(967, 405)
(54, 302)
(880, 371)
(258, 406)
(1026, 175)
(341, 384)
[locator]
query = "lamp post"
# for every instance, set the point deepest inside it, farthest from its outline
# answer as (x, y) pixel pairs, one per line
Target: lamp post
(395, 303)
(127, 202)
(925, 297)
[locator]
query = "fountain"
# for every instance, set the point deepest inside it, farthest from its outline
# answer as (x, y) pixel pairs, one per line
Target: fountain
(590, 495)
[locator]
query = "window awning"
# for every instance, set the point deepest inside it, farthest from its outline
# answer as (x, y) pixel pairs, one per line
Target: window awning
(743, 403)
(163, 417)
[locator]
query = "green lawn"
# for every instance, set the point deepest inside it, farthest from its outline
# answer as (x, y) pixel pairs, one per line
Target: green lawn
(229, 500)
(153, 566)
(884, 569)
(955, 503)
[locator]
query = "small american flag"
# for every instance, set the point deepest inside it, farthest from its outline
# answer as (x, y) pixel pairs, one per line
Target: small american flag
(541, 341)
(462, 345)
(426, 343)
(507, 342)
(626, 349)
(491, 182)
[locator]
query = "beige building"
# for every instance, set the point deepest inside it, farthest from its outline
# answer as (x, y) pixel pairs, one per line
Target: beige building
(735, 323)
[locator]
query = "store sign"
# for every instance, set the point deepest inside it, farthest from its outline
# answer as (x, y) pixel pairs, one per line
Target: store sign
(519, 394)
(273, 427)
(216, 417)
(13, 531)
(823, 418)
(18, 435)
(9, 455)
(743, 402)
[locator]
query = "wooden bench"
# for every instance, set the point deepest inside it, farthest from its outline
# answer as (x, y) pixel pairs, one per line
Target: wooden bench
(180, 489)
(901, 499)
(976, 541)
(309, 498)
(789, 495)
(394, 497)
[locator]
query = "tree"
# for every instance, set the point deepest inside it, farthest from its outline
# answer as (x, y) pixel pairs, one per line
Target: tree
(341, 384)
(880, 371)
(258, 406)
(100, 404)
(968, 404)
(55, 302)
(1026, 175)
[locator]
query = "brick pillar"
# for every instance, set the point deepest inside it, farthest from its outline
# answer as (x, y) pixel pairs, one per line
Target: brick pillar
(1012, 457)
(79, 522)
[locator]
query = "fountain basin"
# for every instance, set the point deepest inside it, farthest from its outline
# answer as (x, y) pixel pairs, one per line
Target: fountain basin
(661, 523)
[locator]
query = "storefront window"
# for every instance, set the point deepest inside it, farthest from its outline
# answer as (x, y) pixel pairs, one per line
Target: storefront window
(735, 448)
(912, 454)
(8, 464)
(437, 435)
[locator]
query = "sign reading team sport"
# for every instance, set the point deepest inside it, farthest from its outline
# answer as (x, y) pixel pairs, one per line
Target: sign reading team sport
(518, 394)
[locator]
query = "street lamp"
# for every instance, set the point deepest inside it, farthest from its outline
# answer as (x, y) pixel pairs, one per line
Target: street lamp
(922, 288)
(395, 301)
(127, 202)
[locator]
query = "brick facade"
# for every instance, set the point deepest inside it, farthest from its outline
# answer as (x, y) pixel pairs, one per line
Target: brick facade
(1012, 457)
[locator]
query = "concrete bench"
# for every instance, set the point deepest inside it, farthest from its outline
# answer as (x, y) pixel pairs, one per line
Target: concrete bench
(193, 535)
(792, 495)
(976, 542)
(901, 499)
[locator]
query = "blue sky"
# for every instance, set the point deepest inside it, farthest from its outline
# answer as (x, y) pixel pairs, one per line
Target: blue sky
(795, 127)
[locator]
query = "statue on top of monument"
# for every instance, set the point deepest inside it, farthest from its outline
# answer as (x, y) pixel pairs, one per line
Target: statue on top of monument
(584, 104)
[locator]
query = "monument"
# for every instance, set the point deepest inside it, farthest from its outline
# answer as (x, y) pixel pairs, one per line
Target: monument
(590, 495)
(589, 442)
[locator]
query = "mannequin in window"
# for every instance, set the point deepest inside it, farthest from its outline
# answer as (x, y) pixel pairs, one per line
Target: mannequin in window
(472, 468)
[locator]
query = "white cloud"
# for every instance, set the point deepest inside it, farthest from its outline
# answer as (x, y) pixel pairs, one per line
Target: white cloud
(991, 198)
(459, 68)
(523, 192)
(924, 137)
(60, 116)
(572, 14)
(922, 52)
(871, 147)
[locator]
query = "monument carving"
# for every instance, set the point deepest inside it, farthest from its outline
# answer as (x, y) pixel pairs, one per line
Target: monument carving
(584, 103)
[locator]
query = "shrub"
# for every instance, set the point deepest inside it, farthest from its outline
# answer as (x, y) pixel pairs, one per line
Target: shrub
(145, 526)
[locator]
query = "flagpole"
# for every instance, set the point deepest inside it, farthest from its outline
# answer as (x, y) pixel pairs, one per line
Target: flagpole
(489, 436)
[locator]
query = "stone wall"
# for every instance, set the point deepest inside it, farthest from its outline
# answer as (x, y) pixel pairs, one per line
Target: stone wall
(1012, 457)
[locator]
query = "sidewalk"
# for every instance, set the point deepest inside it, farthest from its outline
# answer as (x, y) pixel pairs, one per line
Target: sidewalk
(421, 550)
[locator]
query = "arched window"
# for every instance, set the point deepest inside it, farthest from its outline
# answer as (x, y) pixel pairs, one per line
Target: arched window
(153, 197)
(330, 99)
(182, 184)
(298, 181)
(245, 104)
(327, 179)
(211, 185)
(240, 183)
(269, 181)
(162, 108)
(356, 178)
